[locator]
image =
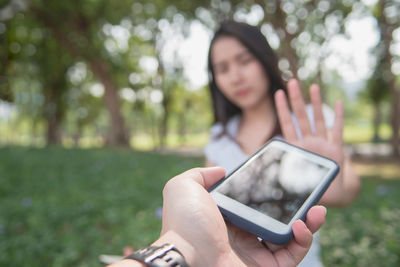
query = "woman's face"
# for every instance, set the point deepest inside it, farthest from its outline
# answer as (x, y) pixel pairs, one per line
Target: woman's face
(238, 73)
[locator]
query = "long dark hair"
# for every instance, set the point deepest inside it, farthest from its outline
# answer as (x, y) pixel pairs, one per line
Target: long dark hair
(252, 38)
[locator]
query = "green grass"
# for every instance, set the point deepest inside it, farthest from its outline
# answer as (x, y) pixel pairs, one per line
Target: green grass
(64, 207)
(368, 232)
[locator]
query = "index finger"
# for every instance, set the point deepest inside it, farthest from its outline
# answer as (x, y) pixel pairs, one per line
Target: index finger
(285, 117)
(299, 107)
(316, 101)
(337, 129)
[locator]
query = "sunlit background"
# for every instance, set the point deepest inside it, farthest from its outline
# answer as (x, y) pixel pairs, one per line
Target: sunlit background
(110, 87)
(58, 64)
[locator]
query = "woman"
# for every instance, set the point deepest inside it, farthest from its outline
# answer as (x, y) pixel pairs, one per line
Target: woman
(251, 107)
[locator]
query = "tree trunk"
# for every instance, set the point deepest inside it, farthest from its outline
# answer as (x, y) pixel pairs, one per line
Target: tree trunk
(279, 23)
(387, 30)
(54, 111)
(395, 122)
(153, 128)
(53, 136)
(182, 127)
(377, 122)
(117, 134)
(164, 120)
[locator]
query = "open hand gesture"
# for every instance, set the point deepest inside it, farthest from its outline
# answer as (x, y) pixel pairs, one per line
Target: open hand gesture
(328, 143)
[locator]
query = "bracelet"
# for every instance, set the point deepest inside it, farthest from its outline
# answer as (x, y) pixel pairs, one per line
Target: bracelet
(159, 256)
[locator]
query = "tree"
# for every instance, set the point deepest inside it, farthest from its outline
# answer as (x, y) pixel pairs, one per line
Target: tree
(304, 28)
(78, 34)
(44, 67)
(377, 92)
(388, 21)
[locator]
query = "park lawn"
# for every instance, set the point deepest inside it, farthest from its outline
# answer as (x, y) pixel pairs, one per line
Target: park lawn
(64, 207)
(368, 232)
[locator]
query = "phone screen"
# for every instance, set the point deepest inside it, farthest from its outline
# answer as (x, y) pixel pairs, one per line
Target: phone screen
(275, 183)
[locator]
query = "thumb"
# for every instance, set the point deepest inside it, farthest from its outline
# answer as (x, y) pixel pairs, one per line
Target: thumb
(211, 175)
(206, 177)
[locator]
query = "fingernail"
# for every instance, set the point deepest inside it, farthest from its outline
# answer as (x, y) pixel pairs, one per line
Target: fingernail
(324, 209)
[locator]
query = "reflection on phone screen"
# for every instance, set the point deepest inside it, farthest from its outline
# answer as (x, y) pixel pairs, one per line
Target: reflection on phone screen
(275, 183)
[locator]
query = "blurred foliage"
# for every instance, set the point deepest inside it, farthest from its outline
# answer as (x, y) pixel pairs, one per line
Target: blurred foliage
(76, 67)
(72, 72)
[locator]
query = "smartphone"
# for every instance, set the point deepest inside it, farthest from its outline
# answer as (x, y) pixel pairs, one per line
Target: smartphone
(272, 189)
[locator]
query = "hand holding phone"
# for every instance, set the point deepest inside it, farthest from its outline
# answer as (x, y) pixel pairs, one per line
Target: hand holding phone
(273, 189)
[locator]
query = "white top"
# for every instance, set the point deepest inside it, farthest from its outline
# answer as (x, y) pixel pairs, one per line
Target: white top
(225, 152)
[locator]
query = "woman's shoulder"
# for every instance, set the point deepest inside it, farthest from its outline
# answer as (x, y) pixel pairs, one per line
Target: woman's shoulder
(217, 130)
(221, 145)
(221, 149)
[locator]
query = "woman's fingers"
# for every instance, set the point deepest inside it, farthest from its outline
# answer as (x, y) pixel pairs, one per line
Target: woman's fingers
(299, 107)
(285, 117)
(337, 129)
(316, 101)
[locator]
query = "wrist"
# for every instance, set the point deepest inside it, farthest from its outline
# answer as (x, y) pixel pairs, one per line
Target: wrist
(156, 255)
(198, 257)
(184, 247)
